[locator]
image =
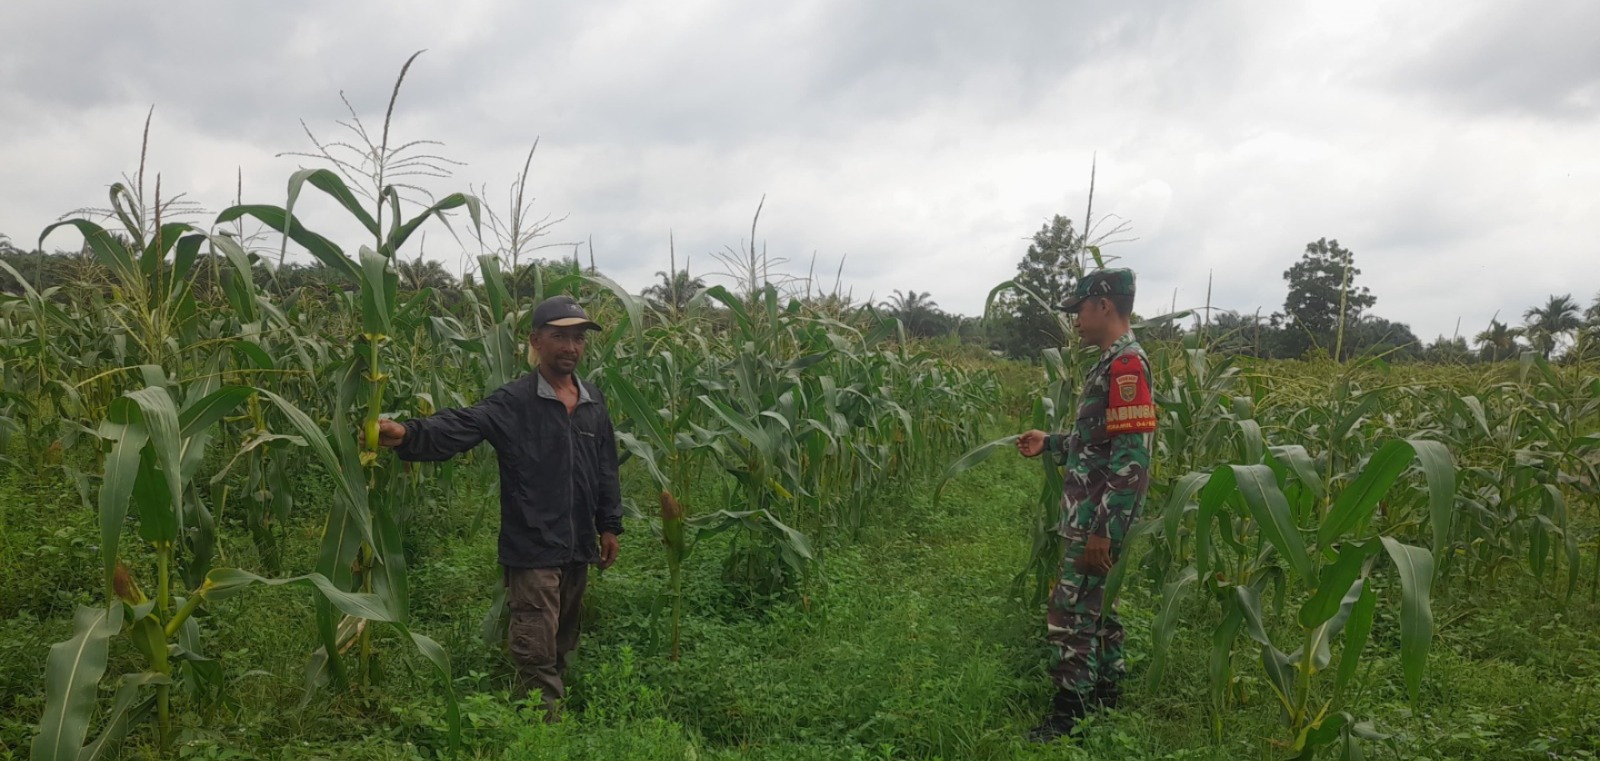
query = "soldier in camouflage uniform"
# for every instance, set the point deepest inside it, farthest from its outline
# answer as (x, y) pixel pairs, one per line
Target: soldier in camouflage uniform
(1106, 460)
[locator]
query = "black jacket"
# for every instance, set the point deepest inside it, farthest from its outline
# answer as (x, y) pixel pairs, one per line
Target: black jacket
(558, 472)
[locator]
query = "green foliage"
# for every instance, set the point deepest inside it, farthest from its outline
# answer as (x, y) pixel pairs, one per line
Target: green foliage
(919, 314)
(1448, 351)
(1027, 321)
(182, 415)
(1498, 342)
(673, 294)
(1548, 323)
(1323, 296)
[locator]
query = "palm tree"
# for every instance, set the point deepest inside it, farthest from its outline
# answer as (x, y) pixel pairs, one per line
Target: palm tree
(1547, 324)
(1593, 312)
(424, 273)
(674, 291)
(1498, 342)
(918, 312)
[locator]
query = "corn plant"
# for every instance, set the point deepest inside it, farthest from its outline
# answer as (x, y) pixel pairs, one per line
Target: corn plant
(661, 441)
(1248, 535)
(31, 364)
(155, 450)
(361, 547)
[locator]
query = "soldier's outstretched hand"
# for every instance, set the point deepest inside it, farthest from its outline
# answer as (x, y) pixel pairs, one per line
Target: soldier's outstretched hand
(1031, 444)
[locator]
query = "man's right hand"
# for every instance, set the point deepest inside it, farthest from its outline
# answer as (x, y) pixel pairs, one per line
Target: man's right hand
(1031, 444)
(390, 434)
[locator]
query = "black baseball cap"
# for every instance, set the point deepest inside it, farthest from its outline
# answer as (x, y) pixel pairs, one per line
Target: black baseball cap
(561, 312)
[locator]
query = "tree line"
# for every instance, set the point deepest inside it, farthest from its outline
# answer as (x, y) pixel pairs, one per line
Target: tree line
(1325, 312)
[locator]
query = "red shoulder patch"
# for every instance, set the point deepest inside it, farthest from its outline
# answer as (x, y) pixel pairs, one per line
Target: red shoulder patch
(1130, 409)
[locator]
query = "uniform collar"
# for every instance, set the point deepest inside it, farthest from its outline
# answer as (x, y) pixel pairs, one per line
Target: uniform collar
(1117, 346)
(549, 392)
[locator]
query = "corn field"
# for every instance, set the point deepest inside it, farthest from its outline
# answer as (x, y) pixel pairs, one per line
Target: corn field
(168, 406)
(182, 392)
(1294, 486)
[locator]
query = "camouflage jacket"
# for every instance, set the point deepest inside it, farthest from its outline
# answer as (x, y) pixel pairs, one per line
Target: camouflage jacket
(1106, 455)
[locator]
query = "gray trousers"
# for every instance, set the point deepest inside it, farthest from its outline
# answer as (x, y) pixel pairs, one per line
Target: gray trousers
(546, 606)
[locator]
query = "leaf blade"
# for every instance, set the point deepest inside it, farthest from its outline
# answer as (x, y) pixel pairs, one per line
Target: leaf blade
(72, 672)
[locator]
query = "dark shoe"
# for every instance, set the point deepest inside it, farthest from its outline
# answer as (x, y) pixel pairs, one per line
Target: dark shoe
(1065, 712)
(1107, 695)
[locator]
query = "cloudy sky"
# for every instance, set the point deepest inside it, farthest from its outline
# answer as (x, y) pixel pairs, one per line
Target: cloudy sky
(1453, 146)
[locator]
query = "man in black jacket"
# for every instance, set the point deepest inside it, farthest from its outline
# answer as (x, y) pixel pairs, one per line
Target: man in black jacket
(558, 488)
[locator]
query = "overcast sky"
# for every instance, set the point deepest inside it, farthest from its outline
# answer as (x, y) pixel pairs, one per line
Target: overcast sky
(1453, 146)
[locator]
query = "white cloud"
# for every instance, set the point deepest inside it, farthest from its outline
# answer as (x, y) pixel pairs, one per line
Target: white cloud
(1450, 145)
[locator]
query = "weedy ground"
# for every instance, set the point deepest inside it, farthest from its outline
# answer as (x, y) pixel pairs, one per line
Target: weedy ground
(908, 644)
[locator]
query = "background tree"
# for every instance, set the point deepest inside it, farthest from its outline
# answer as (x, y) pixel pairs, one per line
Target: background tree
(1050, 268)
(1236, 333)
(424, 273)
(73, 269)
(1545, 325)
(12, 256)
(1167, 330)
(1587, 345)
(1322, 281)
(313, 276)
(1498, 342)
(971, 330)
(918, 312)
(833, 304)
(1452, 351)
(674, 291)
(1371, 335)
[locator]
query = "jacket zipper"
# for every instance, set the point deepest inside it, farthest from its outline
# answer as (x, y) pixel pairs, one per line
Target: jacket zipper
(572, 486)
(572, 470)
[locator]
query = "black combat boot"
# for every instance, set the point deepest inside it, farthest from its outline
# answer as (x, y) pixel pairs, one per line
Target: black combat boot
(1065, 711)
(1107, 695)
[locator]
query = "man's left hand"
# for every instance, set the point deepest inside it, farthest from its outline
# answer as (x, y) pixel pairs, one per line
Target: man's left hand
(1096, 557)
(608, 549)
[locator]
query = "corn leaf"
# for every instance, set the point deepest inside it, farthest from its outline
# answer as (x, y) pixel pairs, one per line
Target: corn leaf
(1267, 505)
(109, 251)
(1166, 621)
(631, 402)
(1356, 631)
(328, 181)
(351, 489)
(1334, 582)
(1439, 472)
(399, 235)
(206, 411)
(126, 710)
(440, 659)
(1358, 500)
(223, 583)
(970, 460)
(284, 222)
(1301, 464)
(121, 473)
(72, 674)
(376, 293)
(1415, 566)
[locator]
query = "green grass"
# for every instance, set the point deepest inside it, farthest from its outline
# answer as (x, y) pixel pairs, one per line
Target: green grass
(907, 644)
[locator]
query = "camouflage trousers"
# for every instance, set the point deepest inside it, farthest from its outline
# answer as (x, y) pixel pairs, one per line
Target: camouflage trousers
(1082, 627)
